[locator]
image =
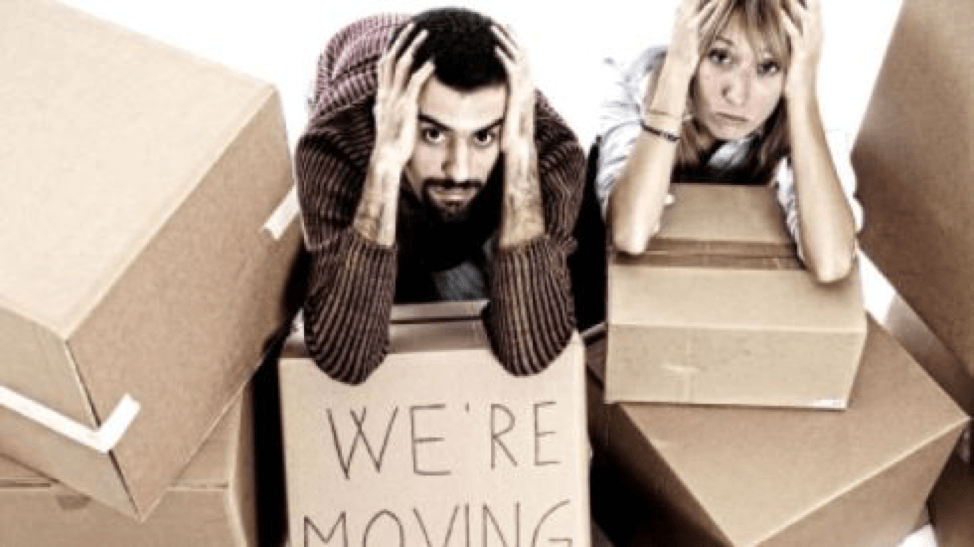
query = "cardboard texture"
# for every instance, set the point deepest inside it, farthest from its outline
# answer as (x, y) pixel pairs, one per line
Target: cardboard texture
(720, 311)
(211, 504)
(137, 182)
(913, 162)
(940, 363)
(440, 446)
(952, 505)
(748, 477)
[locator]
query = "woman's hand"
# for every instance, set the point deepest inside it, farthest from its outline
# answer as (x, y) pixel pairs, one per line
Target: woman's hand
(693, 19)
(803, 23)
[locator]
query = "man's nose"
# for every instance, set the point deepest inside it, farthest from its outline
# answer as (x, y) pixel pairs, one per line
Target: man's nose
(456, 164)
(737, 87)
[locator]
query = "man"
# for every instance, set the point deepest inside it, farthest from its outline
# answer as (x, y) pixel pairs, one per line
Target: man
(431, 170)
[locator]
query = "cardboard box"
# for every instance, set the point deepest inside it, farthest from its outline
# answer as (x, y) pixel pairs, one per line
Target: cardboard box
(952, 505)
(914, 166)
(746, 477)
(144, 246)
(720, 311)
(211, 504)
(940, 363)
(438, 445)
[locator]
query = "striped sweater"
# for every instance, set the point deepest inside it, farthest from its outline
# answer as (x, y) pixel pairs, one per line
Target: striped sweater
(353, 281)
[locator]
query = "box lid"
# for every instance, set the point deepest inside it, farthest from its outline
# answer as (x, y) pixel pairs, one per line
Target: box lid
(103, 137)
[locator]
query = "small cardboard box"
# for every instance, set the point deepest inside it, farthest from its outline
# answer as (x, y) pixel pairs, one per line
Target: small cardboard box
(211, 504)
(952, 505)
(769, 477)
(940, 363)
(720, 311)
(438, 445)
(145, 250)
(915, 168)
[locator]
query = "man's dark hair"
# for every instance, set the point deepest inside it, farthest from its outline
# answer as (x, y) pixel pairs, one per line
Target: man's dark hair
(461, 45)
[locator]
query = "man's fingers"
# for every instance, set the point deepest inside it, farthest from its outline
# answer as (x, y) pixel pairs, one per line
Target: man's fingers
(506, 42)
(419, 78)
(405, 61)
(388, 60)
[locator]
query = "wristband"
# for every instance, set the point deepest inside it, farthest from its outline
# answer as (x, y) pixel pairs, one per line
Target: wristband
(671, 137)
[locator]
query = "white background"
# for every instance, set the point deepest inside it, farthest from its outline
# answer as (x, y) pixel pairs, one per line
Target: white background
(280, 41)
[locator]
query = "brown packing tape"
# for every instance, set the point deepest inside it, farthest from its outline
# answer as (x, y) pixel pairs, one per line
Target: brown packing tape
(723, 248)
(717, 261)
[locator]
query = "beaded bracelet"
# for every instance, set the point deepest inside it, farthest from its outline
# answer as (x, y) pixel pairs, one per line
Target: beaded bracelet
(672, 137)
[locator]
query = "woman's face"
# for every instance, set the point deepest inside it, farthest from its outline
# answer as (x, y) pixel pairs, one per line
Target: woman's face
(737, 88)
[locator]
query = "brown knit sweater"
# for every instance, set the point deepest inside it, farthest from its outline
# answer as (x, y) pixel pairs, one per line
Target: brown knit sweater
(353, 280)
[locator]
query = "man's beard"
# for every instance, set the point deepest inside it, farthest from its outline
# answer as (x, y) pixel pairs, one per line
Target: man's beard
(454, 212)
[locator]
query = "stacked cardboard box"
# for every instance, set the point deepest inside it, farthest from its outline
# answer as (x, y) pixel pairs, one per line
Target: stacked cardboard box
(439, 443)
(211, 504)
(914, 164)
(686, 475)
(719, 310)
(147, 243)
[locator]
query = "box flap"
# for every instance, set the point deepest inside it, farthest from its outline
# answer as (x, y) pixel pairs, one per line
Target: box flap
(818, 455)
(105, 132)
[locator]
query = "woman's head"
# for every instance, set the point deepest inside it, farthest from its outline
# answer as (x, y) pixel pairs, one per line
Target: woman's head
(738, 85)
(741, 73)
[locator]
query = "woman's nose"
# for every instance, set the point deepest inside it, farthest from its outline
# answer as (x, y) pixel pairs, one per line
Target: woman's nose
(737, 88)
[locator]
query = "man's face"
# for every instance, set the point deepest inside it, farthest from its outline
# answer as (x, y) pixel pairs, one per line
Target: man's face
(457, 145)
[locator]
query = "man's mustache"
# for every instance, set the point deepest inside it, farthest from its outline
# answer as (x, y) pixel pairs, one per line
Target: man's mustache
(451, 184)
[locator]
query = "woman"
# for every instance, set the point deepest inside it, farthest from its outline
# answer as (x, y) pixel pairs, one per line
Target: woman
(732, 99)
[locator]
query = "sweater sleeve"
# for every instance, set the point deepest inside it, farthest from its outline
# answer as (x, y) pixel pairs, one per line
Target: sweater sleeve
(531, 316)
(352, 280)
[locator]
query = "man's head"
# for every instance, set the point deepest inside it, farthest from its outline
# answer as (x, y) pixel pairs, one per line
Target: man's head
(461, 111)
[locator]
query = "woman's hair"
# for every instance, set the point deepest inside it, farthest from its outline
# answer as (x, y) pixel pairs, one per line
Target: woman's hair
(461, 45)
(761, 23)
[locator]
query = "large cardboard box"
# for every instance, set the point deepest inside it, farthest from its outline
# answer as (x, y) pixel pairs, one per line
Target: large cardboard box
(440, 446)
(952, 505)
(211, 504)
(720, 310)
(144, 247)
(939, 362)
(748, 477)
(913, 161)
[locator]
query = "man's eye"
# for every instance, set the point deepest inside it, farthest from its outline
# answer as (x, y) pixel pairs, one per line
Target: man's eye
(432, 135)
(768, 68)
(719, 56)
(484, 138)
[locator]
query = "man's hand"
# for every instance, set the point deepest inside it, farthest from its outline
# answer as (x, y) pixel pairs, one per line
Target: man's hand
(523, 213)
(396, 112)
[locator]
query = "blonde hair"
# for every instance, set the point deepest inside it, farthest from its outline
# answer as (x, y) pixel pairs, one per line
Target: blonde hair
(761, 23)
